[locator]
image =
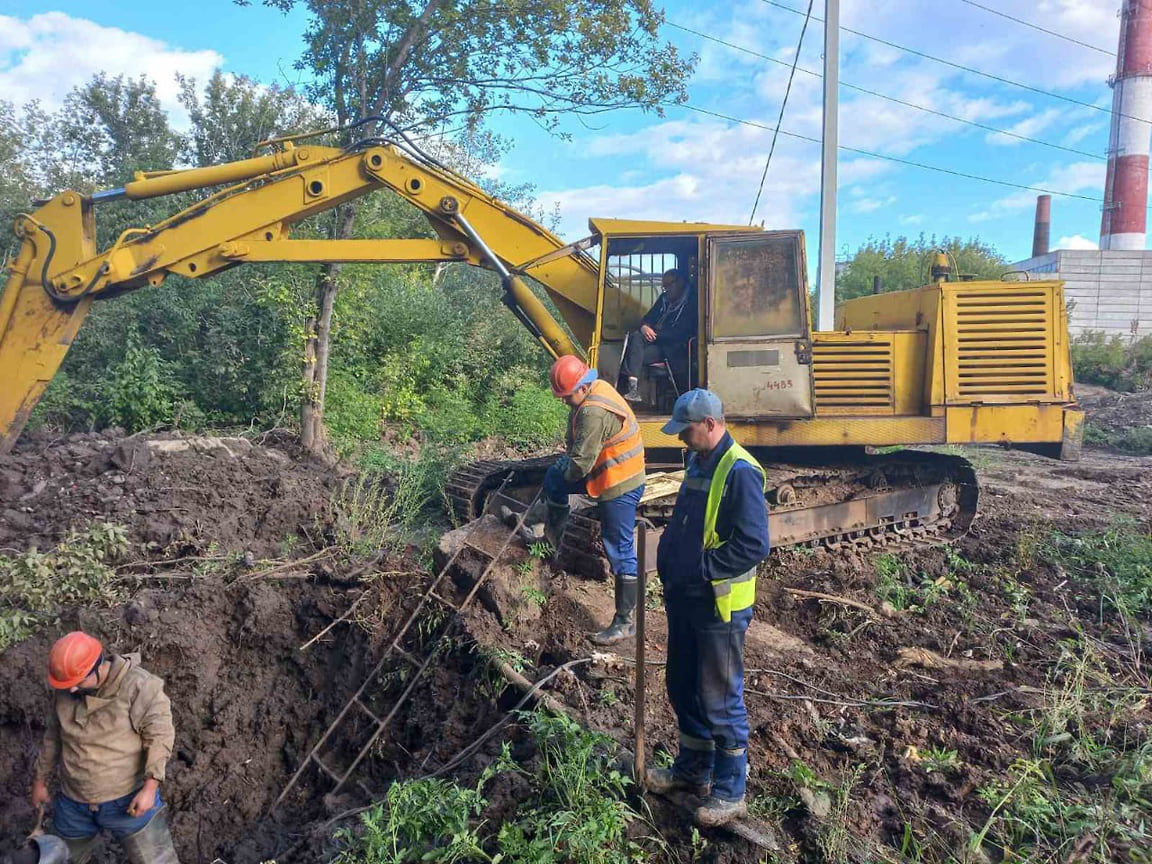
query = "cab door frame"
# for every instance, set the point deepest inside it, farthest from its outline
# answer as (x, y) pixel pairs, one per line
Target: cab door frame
(757, 352)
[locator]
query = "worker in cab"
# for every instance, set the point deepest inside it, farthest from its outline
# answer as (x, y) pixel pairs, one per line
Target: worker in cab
(663, 336)
(109, 735)
(604, 459)
(707, 561)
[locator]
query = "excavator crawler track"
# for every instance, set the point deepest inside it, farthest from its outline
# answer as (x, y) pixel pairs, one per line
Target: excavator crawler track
(903, 499)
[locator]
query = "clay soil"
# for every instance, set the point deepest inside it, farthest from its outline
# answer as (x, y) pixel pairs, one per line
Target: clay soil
(226, 631)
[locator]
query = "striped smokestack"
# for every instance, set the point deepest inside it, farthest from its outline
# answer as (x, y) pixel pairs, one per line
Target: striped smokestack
(1124, 222)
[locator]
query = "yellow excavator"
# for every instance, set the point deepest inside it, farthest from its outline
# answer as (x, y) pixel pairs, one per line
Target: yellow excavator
(953, 362)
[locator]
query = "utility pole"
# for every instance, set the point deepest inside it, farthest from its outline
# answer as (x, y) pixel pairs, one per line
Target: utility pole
(826, 278)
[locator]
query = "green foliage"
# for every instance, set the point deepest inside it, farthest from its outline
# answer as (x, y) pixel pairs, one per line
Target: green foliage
(940, 760)
(422, 820)
(139, 394)
(578, 816)
(1116, 563)
(376, 510)
(466, 59)
(35, 586)
(1114, 362)
(895, 586)
(1035, 817)
(575, 814)
(902, 263)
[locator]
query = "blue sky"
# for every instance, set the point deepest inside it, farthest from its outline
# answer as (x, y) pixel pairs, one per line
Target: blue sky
(692, 166)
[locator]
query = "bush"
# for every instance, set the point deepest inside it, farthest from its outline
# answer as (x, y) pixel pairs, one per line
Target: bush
(1116, 363)
(140, 394)
(35, 586)
(350, 410)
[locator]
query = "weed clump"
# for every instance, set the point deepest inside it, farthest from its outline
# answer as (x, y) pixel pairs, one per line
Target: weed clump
(35, 586)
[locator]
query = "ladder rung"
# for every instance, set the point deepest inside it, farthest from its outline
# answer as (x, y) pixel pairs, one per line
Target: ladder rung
(315, 758)
(404, 655)
(447, 603)
(368, 711)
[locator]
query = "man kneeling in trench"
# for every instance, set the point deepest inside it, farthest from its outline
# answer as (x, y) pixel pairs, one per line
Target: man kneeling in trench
(110, 733)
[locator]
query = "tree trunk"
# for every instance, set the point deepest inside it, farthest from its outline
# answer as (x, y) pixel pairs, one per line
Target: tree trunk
(318, 330)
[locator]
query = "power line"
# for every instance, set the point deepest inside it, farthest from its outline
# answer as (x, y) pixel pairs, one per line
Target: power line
(888, 98)
(1071, 39)
(780, 119)
(887, 158)
(998, 78)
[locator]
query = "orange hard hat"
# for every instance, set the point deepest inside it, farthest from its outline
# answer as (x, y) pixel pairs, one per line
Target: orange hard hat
(72, 659)
(566, 375)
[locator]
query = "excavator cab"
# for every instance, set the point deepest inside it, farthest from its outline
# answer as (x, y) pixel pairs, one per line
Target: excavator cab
(750, 290)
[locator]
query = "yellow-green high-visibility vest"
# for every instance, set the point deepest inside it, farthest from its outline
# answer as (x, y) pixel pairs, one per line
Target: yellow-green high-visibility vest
(739, 592)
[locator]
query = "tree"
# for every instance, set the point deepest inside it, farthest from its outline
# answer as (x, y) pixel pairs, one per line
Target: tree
(406, 66)
(904, 263)
(233, 114)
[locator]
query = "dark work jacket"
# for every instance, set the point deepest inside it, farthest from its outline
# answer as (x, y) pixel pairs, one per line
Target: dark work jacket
(685, 567)
(673, 327)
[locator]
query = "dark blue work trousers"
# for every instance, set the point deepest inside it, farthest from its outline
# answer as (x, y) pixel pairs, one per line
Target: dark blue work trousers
(617, 517)
(705, 675)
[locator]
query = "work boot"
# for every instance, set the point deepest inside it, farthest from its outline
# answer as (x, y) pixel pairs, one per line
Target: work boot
(532, 529)
(80, 849)
(152, 844)
(623, 625)
(715, 812)
(665, 780)
(555, 524)
(632, 394)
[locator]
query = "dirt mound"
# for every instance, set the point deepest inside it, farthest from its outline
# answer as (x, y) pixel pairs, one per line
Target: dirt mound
(176, 494)
(1113, 414)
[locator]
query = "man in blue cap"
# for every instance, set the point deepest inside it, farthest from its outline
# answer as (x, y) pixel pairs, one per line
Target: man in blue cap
(707, 561)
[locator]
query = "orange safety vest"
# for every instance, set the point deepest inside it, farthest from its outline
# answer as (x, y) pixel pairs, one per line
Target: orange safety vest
(622, 456)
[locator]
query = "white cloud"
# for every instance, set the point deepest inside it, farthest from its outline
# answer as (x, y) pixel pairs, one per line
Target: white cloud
(1086, 178)
(1030, 127)
(1076, 241)
(913, 219)
(871, 205)
(46, 56)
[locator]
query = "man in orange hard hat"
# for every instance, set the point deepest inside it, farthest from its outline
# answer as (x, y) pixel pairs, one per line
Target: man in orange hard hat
(110, 733)
(604, 460)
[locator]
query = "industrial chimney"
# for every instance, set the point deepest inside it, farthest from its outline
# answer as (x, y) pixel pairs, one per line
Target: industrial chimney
(1124, 223)
(1042, 230)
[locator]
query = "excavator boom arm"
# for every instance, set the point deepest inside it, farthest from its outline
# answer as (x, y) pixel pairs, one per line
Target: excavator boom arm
(58, 272)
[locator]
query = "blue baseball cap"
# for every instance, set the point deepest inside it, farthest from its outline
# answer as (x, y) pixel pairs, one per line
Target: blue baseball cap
(692, 407)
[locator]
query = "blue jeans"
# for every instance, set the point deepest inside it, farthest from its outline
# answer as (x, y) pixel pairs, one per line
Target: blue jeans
(74, 820)
(705, 675)
(617, 517)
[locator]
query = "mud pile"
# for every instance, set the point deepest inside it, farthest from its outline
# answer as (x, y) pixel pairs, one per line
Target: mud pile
(1114, 417)
(176, 494)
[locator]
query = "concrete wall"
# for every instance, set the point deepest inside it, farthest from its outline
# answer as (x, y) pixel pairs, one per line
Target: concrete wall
(1109, 291)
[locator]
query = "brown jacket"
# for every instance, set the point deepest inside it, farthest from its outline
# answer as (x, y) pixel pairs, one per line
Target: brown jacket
(106, 745)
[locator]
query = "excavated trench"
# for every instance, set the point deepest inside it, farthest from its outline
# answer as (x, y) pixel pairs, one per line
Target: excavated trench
(250, 699)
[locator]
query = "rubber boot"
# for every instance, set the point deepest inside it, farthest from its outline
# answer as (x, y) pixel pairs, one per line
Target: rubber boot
(665, 780)
(555, 524)
(80, 849)
(715, 812)
(623, 625)
(152, 844)
(532, 529)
